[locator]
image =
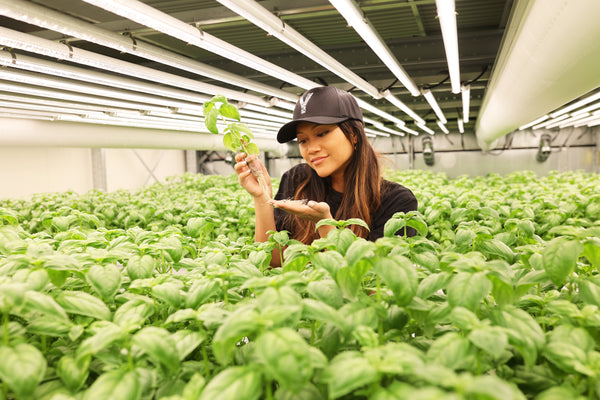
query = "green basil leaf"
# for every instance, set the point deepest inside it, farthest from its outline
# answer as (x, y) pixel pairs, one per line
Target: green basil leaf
(467, 290)
(210, 120)
(73, 372)
(347, 372)
(252, 148)
(105, 334)
(187, 341)
(559, 258)
(104, 279)
(399, 274)
(229, 111)
(234, 383)
(36, 302)
(491, 339)
(22, 368)
(140, 267)
(116, 385)
(285, 357)
(132, 314)
(159, 345)
(83, 304)
(327, 291)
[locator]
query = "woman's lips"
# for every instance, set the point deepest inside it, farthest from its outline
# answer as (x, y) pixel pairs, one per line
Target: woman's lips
(317, 160)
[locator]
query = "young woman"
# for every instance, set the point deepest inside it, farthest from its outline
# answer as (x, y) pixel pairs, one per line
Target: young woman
(341, 178)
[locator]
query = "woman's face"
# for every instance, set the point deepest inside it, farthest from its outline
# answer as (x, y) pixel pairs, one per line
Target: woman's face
(326, 149)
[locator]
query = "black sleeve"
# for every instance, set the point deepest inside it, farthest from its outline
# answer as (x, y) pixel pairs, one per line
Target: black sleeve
(394, 198)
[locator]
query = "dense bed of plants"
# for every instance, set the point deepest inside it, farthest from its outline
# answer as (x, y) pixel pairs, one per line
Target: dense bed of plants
(162, 293)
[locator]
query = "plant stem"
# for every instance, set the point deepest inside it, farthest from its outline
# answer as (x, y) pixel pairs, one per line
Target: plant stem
(6, 332)
(269, 391)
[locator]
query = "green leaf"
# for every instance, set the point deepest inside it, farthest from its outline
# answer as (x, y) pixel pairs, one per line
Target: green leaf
(252, 148)
(49, 326)
(559, 258)
(200, 291)
(241, 323)
(105, 280)
(493, 248)
(22, 368)
(116, 385)
(104, 335)
(169, 292)
(433, 283)
(399, 274)
(159, 345)
(140, 267)
(392, 226)
(73, 372)
(229, 111)
(234, 383)
(36, 302)
(491, 339)
(285, 356)
(210, 120)
(347, 372)
(187, 341)
(451, 350)
(467, 290)
(327, 291)
(331, 261)
(230, 142)
(83, 304)
(132, 314)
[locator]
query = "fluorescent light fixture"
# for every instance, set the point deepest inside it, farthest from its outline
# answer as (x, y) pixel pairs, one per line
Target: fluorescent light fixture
(366, 106)
(465, 91)
(162, 22)
(376, 132)
(595, 115)
(592, 107)
(382, 127)
(461, 125)
(274, 26)
(395, 101)
(568, 122)
(447, 16)
(411, 131)
(434, 105)
(61, 51)
(353, 15)
(549, 122)
(426, 129)
(443, 127)
(576, 105)
(532, 123)
(70, 26)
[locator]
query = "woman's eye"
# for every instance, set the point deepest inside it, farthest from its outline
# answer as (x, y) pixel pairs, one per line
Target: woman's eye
(323, 133)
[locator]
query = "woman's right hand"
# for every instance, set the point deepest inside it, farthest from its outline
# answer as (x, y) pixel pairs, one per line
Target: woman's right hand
(247, 180)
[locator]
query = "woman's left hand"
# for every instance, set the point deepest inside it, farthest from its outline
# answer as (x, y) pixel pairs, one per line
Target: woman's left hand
(310, 210)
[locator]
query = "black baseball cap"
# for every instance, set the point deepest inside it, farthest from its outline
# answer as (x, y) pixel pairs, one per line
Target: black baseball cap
(321, 105)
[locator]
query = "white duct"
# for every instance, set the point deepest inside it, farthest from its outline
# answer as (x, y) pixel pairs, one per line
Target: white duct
(26, 132)
(549, 56)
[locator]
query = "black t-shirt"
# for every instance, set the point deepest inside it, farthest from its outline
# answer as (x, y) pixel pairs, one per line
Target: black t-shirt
(394, 198)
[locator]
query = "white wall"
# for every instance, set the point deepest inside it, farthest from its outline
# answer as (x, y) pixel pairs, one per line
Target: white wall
(28, 170)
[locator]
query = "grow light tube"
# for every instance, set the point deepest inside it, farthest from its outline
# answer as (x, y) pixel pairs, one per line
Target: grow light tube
(30, 43)
(382, 127)
(578, 104)
(395, 101)
(568, 122)
(148, 16)
(549, 122)
(532, 123)
(69, 26)
(274, 26)
(353, 15)
(465, 92)
(53, 94)
(461, 125)
(434, 105)
(447, 16)
(443, 127)
(376, 132)
(30, 78)
(426, 129)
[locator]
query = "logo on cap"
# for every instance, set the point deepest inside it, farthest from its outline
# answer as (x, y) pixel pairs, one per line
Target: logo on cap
(304, 102)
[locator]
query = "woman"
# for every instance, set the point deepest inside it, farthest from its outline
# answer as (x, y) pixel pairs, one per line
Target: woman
(341, 178)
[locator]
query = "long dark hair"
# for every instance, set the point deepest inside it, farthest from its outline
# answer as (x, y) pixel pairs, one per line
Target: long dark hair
(362, 184)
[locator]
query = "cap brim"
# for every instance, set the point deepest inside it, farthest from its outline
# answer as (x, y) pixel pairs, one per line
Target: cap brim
(288, 131)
